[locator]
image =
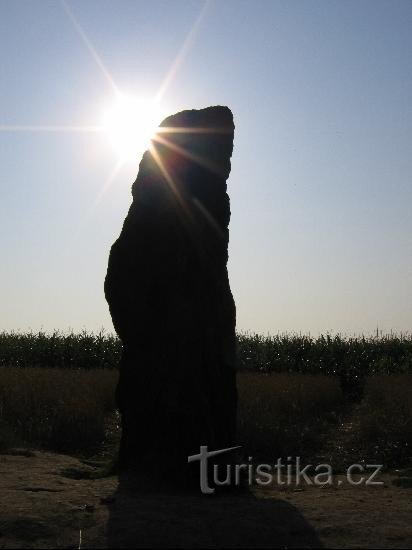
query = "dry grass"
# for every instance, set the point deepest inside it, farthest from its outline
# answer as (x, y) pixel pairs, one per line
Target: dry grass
(59, 409)
(284, 415)
(280, 415)
(385, 419)
(66, 410)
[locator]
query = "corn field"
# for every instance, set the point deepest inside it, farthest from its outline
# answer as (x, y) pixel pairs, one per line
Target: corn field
(282, 353)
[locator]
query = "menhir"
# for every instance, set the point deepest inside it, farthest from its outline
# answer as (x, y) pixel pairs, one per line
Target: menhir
(169, 296)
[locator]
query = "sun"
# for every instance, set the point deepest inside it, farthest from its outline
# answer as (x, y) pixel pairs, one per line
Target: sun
(130, 123)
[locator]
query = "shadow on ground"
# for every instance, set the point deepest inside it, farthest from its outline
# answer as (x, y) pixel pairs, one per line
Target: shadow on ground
(139, 519)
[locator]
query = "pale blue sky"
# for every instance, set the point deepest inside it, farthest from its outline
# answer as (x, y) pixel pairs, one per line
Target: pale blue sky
(321, 182)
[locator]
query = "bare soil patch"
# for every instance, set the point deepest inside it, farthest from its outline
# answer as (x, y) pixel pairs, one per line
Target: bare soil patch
(41, 507)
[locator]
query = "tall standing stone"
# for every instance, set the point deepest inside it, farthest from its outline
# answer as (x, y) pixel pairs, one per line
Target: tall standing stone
(169, 296)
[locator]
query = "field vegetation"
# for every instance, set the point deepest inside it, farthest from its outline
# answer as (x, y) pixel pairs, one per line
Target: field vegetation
(325, 354)
(57, 392)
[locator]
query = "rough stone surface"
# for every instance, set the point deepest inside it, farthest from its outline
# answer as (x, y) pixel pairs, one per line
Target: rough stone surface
(169, 296)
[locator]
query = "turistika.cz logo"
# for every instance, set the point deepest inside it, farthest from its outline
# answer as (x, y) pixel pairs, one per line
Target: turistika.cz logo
(285, 473)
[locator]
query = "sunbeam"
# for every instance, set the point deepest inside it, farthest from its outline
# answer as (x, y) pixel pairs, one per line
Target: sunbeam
(47, 128)
(213, 167)
(88, 45)
(169, 180)
(105, 187)
(191, 130)
(182, 52)
(107, 184)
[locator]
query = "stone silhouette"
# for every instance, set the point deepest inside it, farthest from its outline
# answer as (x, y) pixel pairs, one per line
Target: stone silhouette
(169, 296)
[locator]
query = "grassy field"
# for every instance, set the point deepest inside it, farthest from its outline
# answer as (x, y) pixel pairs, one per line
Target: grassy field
(280, 414)
(57, 392)
(59, 409)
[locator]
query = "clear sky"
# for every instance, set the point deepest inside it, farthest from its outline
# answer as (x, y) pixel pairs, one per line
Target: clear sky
(321, 182)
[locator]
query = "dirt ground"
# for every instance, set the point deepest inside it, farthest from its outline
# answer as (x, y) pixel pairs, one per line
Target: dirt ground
(43, 506)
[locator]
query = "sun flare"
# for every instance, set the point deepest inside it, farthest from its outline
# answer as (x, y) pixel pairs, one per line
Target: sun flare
(130, 124)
